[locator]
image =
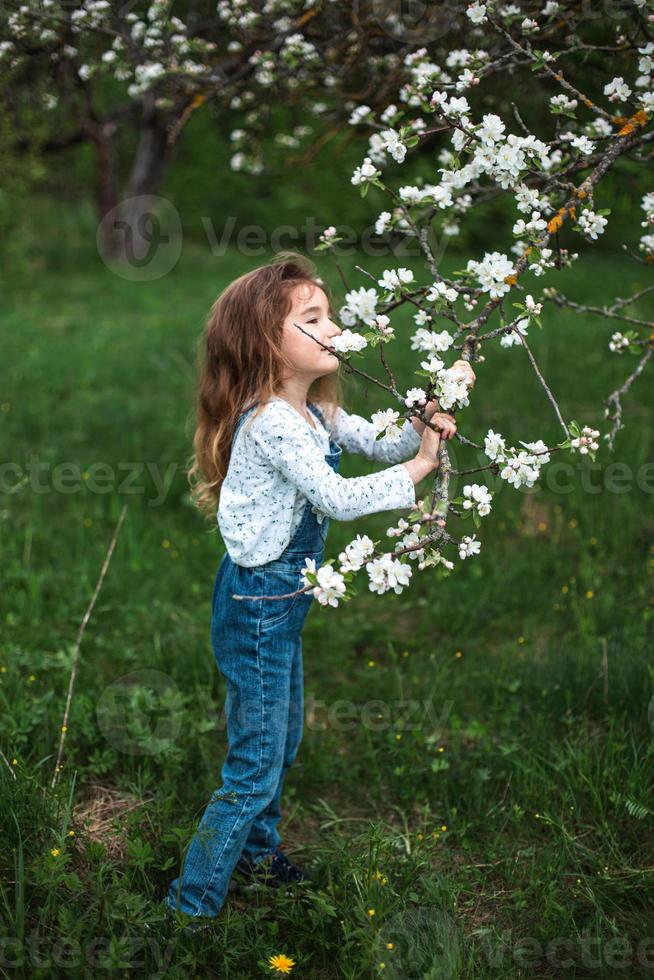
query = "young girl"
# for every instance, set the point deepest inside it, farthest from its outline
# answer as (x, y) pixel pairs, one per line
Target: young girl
(269, 454)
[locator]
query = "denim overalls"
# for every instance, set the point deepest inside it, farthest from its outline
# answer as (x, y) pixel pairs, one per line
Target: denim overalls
(258, 649)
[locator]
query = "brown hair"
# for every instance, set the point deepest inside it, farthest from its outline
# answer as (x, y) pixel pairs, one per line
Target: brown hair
(240, 362)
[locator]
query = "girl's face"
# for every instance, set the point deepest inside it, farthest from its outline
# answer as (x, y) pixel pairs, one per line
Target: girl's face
(311, 311)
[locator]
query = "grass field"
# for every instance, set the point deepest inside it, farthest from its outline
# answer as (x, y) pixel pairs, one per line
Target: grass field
(497, 822)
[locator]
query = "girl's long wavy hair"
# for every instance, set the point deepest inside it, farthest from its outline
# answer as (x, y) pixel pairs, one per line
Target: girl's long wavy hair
(240, 362)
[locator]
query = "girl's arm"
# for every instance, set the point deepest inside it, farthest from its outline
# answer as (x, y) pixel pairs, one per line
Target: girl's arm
(282, 437)
(358, 435)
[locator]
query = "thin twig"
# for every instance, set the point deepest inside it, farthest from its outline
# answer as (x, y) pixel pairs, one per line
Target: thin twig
(75, 661)
(6, 762)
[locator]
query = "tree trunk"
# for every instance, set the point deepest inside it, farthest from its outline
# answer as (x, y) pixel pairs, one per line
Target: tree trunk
(132, 225)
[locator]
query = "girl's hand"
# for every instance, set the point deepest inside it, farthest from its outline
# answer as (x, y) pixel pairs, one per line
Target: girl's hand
(431, 440)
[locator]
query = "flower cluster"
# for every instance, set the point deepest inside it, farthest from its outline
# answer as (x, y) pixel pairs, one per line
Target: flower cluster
(618, 342)
(518, 467)
(587, 441)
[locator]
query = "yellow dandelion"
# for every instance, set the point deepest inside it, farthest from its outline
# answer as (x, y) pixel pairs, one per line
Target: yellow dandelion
(398, 737)
(71, 833)
(419, 836)
(85, 475)
(443, 826)
(371, 663)
(371, 912)
(435, 834)
(389, 945)
(521, 639)
(593, 540)
(3, 669)
(281, 963)
(565, 589)
(32, 678)
(382, 966)
(458, 653)
(542, 526)
(441, 748)
(14, 762)
(589, 593)
(573, 522)
(406, 653)
(64, 728)
(165, 543)
(55, 852)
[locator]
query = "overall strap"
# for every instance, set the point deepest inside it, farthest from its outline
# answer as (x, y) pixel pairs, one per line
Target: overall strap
(317, 412)
(241, 419)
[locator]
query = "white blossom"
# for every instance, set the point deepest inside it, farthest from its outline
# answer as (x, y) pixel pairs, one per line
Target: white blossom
(360, 304)
(356, 553)
(415, 396)
(592, 224)
(617, 90)
(618, 342)
(494, 445)
(348, 341)
(331, 584)
(477, 13)
(394, 278)
(469, 546)
(386, 421)
(388, 573)
(365, 173)
(478, 498)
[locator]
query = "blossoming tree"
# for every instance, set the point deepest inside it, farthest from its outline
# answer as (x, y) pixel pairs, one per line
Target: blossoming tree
(83, 71)
(552, 180)
(350, 60)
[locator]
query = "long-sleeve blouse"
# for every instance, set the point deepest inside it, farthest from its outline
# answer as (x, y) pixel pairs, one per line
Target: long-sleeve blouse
(277, 467)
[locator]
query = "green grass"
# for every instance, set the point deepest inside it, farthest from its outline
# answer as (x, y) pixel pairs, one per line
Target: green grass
(514, 694)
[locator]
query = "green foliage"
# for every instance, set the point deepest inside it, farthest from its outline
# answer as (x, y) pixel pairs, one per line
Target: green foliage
(505, 790)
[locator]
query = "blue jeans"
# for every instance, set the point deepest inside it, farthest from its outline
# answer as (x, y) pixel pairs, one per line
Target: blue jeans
(258, 650)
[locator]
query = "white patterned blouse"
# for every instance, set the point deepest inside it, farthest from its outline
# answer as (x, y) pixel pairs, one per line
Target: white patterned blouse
(277, 464)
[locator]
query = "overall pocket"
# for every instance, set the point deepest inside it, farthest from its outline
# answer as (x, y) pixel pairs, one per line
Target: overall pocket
(281, 580)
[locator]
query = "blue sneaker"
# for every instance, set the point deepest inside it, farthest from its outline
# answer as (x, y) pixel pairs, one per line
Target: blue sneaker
(276, 870)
